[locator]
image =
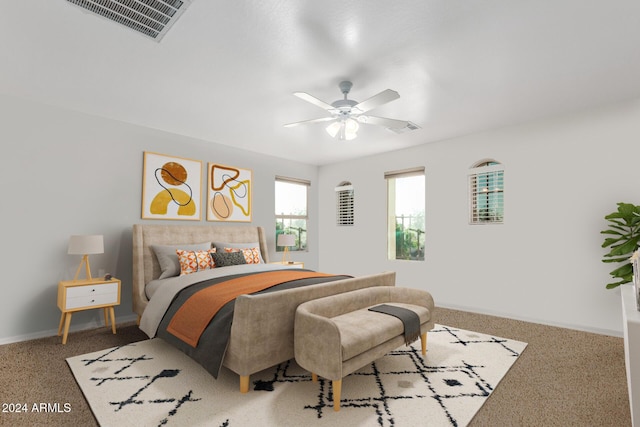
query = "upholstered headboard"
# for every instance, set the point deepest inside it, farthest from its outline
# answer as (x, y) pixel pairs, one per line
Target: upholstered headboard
(145, 263)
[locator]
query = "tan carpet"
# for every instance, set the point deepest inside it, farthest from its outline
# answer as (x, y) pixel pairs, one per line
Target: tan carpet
(564, 378)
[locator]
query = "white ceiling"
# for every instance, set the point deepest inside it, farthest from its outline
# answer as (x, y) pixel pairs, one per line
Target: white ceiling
(226, 71)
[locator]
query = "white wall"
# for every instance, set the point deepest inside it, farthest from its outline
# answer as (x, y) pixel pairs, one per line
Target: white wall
(68, 173)
(544, 263)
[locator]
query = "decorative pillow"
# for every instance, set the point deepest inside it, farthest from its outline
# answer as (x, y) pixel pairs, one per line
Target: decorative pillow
(168, 259)
(226, 259)
(194, 261)
(221, 245)
(251, 255)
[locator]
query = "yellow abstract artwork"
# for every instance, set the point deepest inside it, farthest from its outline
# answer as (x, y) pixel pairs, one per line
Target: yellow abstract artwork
(171, 187)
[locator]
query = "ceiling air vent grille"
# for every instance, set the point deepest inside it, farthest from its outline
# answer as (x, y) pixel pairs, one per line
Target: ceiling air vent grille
(409, 127)
(152, 18)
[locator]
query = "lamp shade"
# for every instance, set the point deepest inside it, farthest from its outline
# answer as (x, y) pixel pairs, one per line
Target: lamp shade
(286, 240)
(86, 244)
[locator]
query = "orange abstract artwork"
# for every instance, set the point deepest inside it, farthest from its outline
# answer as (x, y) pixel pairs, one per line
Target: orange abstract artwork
(229, 193)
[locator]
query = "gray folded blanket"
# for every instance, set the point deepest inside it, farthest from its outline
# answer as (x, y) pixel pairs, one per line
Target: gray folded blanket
(409, 318)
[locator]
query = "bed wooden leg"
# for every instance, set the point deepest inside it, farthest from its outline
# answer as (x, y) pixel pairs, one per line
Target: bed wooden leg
(244, 383)
(138, 321)
(337, 391)
(423, 341)
(314, 377)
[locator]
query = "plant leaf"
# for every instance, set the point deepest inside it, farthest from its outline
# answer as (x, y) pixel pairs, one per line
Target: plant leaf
(627, 247)
(623, 271)
(624, 259)
(614, 285)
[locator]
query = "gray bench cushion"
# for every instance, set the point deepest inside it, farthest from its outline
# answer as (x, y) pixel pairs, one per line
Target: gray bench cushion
(362, 329)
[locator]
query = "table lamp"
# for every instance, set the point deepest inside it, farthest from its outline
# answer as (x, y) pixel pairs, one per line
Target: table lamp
(85, 245)
(286, 240)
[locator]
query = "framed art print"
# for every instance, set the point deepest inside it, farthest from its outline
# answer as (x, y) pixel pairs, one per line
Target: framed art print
(229, 193)
(171, 187)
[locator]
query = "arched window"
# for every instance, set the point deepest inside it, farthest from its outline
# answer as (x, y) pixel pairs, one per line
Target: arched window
(344, 203)
(486, 193)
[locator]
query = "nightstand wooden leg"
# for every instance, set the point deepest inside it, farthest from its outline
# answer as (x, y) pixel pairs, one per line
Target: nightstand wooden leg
(106, 316)
(62, 316)
(113, 319)
(67, 322)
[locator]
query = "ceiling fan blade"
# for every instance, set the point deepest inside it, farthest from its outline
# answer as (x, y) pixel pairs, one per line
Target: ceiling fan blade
(377, 100)
(381, 121)
(305, 122)
(315, 101)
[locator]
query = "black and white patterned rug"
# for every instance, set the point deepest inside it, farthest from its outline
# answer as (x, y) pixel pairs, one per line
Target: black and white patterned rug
(150, 383)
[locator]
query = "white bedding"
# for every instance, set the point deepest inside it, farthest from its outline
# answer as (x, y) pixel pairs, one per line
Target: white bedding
(162, 291)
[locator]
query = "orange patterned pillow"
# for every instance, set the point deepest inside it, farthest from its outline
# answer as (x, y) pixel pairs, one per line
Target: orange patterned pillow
(251, 255)
(194, 261)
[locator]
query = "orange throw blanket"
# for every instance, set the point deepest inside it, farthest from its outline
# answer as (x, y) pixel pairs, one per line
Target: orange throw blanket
(193, 317)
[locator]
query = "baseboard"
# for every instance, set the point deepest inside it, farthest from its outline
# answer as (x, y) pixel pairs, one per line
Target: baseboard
(600, 331)
(74, 328)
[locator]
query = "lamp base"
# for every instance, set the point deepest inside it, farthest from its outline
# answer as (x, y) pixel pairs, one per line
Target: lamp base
(85, 261)
(285, 255)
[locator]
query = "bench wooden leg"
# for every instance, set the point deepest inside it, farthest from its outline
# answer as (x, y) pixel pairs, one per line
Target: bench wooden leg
(138, 321)
(337, 391)
(423, 341)
(244, 383)
(314, 377)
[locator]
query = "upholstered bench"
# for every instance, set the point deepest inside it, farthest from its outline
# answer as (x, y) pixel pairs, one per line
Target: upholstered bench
(337, 335)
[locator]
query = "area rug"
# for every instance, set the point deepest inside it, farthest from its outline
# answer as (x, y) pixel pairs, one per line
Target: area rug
(150, 383)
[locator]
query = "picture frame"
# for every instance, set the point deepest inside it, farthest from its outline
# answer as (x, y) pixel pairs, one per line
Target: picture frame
(171, 187)
(229, 193)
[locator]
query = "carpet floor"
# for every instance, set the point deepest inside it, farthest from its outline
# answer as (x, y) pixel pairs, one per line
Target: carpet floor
(150, 383)
(563, 378)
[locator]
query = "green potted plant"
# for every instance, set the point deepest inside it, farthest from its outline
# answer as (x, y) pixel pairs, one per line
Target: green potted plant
(623, 235)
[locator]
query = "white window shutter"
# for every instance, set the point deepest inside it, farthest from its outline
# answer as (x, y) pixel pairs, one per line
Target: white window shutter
(486, 193)
(344, 204)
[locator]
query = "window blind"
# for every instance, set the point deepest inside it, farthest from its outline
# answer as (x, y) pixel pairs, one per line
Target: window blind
(299, 181)
(344, 204)
(405, 172)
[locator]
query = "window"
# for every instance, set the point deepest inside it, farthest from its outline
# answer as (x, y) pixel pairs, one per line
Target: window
(291, 211)
(405, 204)
(344, 203)
(486, 193)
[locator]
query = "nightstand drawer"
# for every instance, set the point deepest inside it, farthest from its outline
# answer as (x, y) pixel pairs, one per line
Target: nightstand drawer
(91, 295)
(91, 300)
(89, 290)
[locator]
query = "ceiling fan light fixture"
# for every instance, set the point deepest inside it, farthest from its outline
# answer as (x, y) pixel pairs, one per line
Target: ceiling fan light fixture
(344, 129)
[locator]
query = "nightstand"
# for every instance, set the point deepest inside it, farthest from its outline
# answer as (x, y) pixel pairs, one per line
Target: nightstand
(79, 295)
(292, 264)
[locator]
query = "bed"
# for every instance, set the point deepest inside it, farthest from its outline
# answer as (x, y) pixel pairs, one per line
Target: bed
(260, 324)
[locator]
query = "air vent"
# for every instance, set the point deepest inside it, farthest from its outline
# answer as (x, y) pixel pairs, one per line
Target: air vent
(152, 18)
(409, 127)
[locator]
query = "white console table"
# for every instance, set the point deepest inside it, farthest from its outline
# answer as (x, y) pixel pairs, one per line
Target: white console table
(631, 325)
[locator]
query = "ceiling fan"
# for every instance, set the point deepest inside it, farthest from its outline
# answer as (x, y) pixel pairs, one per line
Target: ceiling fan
(347, 114)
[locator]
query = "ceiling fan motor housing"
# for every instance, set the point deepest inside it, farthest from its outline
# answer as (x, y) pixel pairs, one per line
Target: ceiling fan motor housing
(343, 107)
(345, 87)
